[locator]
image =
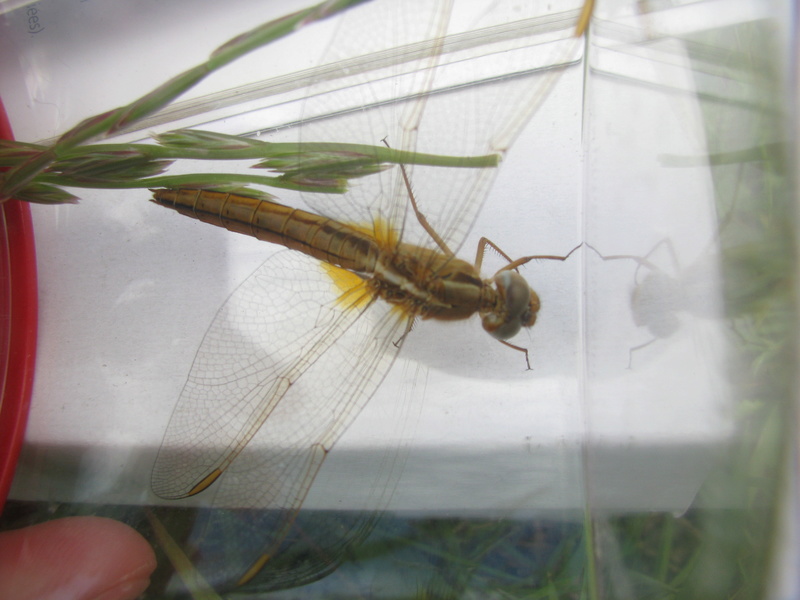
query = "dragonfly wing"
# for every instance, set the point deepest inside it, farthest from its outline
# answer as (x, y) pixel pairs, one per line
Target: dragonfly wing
(286, 364)
(227, 543)
(294, 547)
(437, 83)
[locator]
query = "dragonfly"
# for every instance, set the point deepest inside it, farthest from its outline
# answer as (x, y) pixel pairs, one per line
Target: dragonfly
(300, 347)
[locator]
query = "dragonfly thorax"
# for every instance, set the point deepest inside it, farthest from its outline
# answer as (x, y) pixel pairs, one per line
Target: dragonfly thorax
(515, 306)
(428, 284)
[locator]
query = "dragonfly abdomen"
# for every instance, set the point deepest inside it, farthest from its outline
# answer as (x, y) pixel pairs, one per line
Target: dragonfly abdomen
(323, 238)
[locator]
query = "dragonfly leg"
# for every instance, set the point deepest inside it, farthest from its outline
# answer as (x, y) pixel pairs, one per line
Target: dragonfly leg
(482, 243)
(519, 349)
(409, 326)
(420, 216)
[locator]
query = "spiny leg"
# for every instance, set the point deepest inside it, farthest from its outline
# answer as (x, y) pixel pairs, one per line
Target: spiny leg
(482, 243)
(420, 216)
(409, 327)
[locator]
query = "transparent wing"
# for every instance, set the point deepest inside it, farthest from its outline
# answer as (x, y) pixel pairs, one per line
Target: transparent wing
(285, 368)
(434, 78)
(282, 371)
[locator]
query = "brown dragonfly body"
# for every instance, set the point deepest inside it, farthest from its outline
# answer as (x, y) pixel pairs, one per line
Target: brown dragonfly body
(421, 282)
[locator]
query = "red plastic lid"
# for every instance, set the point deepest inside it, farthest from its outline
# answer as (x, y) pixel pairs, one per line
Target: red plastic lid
(18, 320)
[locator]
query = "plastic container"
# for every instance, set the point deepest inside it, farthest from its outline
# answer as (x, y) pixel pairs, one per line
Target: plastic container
(657, 146)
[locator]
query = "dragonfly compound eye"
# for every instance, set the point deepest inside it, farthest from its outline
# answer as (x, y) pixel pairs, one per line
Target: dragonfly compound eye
(517, 307)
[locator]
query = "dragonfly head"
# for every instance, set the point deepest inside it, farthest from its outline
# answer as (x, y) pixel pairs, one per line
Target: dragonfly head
(516, 306)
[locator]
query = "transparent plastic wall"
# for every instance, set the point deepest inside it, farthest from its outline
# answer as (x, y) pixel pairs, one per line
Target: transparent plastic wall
(642, 451)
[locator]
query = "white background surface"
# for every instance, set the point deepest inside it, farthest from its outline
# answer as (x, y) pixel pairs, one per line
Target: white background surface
(128, 290)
